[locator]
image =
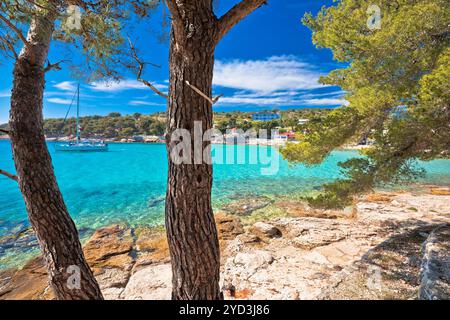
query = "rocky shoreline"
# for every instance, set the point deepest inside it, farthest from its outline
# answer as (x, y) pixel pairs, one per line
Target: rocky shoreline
(384, 247)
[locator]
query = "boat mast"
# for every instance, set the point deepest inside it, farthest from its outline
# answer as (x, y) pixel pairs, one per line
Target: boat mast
(78, 113)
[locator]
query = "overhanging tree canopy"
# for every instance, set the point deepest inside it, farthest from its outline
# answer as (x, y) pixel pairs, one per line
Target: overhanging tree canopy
(31, 25)
(397, 86)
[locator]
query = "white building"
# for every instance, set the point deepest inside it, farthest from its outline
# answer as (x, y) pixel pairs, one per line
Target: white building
(302, 122)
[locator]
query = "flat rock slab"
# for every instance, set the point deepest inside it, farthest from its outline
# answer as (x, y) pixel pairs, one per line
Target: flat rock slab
(112, 278)
(309, 233)
(109, 248)
(375, 254)
(150, 283)
(247, 206)
(265, 230)
(435, 269)
(29, 283)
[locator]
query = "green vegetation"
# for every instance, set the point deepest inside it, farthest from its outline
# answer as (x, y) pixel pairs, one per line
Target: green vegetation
(397, 85)
(111, 126)
(243, 120)
(114, 125)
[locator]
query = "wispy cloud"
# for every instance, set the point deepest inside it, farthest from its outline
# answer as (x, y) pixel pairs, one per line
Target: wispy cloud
(334, 94)
(59, 101)
(326, 102)
(269, 75)
(66, 86)
(107, 86)
(5, 94)
(144, 103)
(286, 99)
(282, 101)
(275, 81)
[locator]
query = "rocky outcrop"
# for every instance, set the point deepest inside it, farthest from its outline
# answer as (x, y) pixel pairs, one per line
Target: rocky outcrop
(309, 233)
(435, 269)
(265, 230)
(296, 264)
(228, 226)
(302, 209)
(247, 206)
(151, 283)
(128, 263)
(110, 248)
(29, 283)
(440, 191)
(375, 254)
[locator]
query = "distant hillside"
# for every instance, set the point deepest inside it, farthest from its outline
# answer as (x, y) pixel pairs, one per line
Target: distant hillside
(116, 125)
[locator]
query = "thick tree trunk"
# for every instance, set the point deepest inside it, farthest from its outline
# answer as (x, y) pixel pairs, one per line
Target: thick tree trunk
(192, 233)
(55, 230)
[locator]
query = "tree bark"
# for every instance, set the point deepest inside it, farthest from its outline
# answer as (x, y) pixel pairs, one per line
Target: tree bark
(191, 229)
(47, 212)
(190, 225)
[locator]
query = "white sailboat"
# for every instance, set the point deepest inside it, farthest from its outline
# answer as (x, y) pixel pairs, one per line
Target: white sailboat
(81, 145)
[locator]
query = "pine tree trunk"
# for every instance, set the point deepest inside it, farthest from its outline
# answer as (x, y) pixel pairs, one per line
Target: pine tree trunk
(55, 230)
(192, 233)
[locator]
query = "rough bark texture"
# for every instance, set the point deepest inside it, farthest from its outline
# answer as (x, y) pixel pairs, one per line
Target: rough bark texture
(55, 230)
(192, 234)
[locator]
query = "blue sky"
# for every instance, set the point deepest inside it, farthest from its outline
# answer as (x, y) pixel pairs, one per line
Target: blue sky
(268, 61)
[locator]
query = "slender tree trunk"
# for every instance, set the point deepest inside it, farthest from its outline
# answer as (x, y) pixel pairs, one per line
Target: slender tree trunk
(191, 229)
(69, 275)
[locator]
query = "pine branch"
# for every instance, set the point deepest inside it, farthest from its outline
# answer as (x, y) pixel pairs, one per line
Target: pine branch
(9, 175)
(53, 66)
(141, 69)
(199, 92)
(236, 14)
(15, 29)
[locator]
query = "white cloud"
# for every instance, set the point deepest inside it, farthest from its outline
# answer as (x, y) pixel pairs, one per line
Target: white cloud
(326, 102)
(59, 101)
(275, 81)
(5, 94)
(284, 99)
(332, 94)
(143, 103)
(278, 73)
(262, 101)
(66, 86)
(108, 86)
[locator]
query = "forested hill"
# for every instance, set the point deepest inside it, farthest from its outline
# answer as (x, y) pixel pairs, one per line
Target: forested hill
(115, 125)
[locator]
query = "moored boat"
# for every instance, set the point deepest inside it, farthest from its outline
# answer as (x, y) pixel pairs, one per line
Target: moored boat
(81, 145)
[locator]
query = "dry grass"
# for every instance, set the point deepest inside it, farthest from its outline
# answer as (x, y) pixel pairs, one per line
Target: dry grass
(380, 197)
(440, 191)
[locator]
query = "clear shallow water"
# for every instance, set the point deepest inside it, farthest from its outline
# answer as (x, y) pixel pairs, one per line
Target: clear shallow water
(128, 183)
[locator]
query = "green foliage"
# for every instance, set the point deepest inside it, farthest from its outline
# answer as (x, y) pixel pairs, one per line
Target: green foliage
(112, 126)
(321, 136)
(98, 35)
(405, 63)
(243, 120)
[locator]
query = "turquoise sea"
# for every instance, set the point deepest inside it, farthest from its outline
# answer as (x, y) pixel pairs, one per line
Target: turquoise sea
(127, 185)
